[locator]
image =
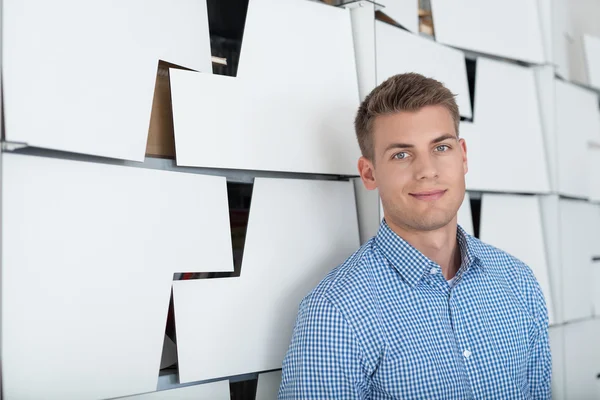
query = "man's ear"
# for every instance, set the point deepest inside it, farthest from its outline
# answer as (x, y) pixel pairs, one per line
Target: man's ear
(463, 146)
(366, 169)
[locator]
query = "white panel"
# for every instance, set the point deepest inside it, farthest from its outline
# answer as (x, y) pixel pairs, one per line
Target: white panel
(86, 70)
(368, 208)
(513, 223)
(465, 217)
(594, 186)
(557, 34)
(595, 246)
(577, 122)
(297, 232)
(577, 236)
(562, 32)
(89, 252)
(399, 51)
(596, 288)
(545, 8)
(506, 106)
(544, 80)
(292, 105)
(268, 385)
(404, 12)
(363, 33)
(482, 26)
(584, 16)
(207, 391)
(592, 57)
(476, 158)
(582, 359)
(551, 225)
(557, 348)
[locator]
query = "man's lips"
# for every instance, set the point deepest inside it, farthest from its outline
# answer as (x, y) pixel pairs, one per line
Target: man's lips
(429, 195)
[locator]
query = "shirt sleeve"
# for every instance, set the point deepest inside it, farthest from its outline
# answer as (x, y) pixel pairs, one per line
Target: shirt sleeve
(324, 360)
(539, 368)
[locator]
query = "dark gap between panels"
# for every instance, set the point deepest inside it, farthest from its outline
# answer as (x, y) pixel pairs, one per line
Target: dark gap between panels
(476, 214)
(471, 74)
(226, 21)
(239, 197)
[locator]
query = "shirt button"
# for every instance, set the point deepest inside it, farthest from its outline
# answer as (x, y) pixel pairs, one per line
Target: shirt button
(433, 270)
(466, 353)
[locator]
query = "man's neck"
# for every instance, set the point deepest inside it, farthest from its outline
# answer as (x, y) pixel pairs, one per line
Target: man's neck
(440, 245)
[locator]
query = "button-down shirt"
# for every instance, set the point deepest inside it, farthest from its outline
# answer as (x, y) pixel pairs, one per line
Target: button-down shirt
(387, 325)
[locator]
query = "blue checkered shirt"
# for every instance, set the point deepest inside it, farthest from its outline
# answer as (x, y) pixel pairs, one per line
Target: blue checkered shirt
(387, 325)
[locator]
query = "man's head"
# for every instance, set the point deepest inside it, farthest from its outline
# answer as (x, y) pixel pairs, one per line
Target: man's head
(407, 130)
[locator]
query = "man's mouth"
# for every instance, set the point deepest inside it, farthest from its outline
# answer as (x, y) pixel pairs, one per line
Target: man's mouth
(428, 195)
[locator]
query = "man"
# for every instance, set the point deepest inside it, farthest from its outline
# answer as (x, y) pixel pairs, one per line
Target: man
(423, 310)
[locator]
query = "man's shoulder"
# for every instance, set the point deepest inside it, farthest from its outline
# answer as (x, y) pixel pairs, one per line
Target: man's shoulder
(498, 260)
(351, 282)
(518, 275)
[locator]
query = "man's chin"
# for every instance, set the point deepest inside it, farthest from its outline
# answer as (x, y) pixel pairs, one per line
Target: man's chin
(432, 222)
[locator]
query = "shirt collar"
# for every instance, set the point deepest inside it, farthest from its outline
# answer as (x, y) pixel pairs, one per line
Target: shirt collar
(410, 262)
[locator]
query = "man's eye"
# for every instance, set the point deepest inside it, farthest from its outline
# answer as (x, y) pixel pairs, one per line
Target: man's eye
(442, 147)
(400, 156)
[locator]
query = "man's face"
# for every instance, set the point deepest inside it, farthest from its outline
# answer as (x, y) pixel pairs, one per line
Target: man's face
(419, 167)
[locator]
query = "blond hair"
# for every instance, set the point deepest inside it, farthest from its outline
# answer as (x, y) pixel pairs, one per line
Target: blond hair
(402, 92)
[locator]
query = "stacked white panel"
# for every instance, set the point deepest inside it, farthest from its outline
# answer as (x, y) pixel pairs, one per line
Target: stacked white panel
(582, 359)
(508, 28)
(576, 243)
(546, 93)
(86, 70)
(232, 326)
(592, 57)
(577, 123)
(291, 107)
(404, 12)
(557, 348)
(268, 385)
(596, 288)
(207, 391)
(399, 51)
(465, 216)
(557, 34)
(363, 34)
(550, 212)
(89, 252)
(594, 181)
(506, 139)
(595, 246)
(583, 17)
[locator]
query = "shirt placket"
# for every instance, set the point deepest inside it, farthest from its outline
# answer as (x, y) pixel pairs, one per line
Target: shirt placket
(459, 326)
(437, 280)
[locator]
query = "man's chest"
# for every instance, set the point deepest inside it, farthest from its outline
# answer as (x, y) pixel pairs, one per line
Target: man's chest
(468, 342)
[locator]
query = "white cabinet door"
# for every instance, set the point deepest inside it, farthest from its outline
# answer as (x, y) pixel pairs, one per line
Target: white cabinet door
(482, 26)
(88, 256)
(298, 231)
(582, 359)
(79, 76)
(507, 107)
(291, 106)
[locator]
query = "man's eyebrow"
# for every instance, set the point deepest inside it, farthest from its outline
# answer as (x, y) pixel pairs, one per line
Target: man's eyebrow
(443, 137)
(399, 146)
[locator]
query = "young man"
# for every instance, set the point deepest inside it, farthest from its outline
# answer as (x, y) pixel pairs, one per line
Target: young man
(422, 310)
